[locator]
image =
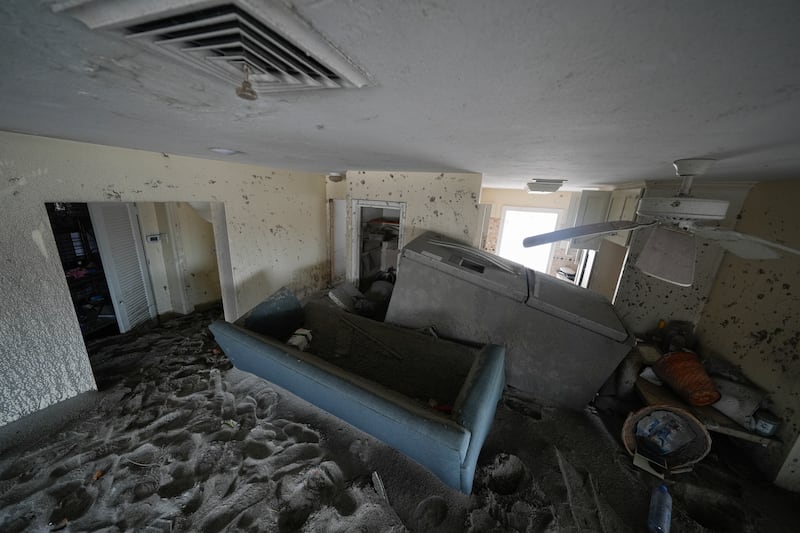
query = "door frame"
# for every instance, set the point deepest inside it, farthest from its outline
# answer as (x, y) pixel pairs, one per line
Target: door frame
(354, 270)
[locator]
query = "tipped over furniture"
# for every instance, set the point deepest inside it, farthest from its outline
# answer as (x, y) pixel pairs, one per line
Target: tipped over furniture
(430, 399)
(562, 341)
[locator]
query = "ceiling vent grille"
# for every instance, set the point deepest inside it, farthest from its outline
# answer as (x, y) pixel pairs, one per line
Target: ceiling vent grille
(280, 51)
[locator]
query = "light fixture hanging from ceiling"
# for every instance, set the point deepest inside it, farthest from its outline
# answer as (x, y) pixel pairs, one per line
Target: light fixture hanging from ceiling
(223, 151)
(245, 90)
(543, 186)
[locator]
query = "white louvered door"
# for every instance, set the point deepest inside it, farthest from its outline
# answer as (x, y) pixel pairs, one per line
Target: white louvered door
(120, 244)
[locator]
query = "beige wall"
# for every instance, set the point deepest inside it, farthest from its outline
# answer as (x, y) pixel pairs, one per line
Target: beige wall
(752, 317)
(275, 224)
(443, 202)
(149, 224)
(180, 283)
(201, 274)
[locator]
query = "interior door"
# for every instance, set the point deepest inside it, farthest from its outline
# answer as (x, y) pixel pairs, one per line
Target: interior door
(592, 208)
(623, 207)
(120, 244)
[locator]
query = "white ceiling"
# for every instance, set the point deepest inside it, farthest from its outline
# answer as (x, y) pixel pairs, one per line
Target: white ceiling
(597, 92)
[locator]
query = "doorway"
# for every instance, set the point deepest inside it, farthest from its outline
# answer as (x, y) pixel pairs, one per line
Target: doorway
(101, 252)
(377, 239)
(518, 223)
(187, 250)
(127, 263)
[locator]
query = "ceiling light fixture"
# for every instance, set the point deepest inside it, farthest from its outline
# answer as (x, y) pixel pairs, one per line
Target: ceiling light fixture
(245, 90)
(336, 177)
(693, 167)
(542, 186)
(687, 169)
(224, 151)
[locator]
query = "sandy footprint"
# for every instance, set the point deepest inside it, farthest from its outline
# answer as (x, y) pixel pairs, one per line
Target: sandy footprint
(302, 494)
(505, 474)
(366, 512)
(180, 479)
(430, 513)
(266, 403)
(232, 506)
(511, 500)
(300, 433)
(74, 499)
(360, 449)
(294, 457)
(206, 461)
(258, 448)
(17, 518)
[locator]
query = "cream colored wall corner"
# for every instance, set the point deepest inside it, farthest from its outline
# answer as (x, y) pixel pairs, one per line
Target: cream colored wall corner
(201, 274)
(275, 222)
(752, 318)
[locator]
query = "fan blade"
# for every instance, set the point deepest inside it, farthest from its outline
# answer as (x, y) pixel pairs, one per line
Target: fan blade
(744, 245)
(669, 256)
(583, 231)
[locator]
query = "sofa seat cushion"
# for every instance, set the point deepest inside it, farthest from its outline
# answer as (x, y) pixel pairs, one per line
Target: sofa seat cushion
(417, 365)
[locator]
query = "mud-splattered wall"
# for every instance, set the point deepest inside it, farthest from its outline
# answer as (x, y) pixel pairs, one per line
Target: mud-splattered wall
(643, 300)
(443, 202)
(752, 317)
(275, 224)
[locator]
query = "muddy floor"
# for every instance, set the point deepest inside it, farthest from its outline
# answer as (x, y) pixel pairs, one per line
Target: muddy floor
(180, 441)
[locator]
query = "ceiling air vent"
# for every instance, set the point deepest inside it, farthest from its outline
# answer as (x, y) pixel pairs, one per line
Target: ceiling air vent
(280, 51)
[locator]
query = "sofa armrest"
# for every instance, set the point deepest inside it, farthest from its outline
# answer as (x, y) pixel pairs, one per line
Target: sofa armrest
(477, 402)
(277, 316)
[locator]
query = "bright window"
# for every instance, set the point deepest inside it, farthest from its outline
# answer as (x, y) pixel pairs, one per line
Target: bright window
(518, 223)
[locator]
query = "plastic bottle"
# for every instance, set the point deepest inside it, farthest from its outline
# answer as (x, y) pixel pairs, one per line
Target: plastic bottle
(660, 516)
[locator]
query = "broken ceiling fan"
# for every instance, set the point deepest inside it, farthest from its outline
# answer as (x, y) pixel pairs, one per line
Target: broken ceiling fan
(669, 253)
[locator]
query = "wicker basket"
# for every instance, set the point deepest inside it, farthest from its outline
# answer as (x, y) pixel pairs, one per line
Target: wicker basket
(692, 453)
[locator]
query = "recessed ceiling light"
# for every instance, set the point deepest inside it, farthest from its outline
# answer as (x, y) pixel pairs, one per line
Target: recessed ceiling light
(224, 151)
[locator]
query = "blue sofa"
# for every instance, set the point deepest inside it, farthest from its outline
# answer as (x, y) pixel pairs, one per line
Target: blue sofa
(447, 444)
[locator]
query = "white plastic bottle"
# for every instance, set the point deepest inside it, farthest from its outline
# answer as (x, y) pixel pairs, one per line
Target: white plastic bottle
(660, 516)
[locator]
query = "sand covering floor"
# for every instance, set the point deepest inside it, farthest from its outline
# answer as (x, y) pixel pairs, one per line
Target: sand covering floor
(180, 441)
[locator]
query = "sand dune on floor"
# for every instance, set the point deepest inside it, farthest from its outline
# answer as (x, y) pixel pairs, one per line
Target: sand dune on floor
(180, 441)
(183, 442)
